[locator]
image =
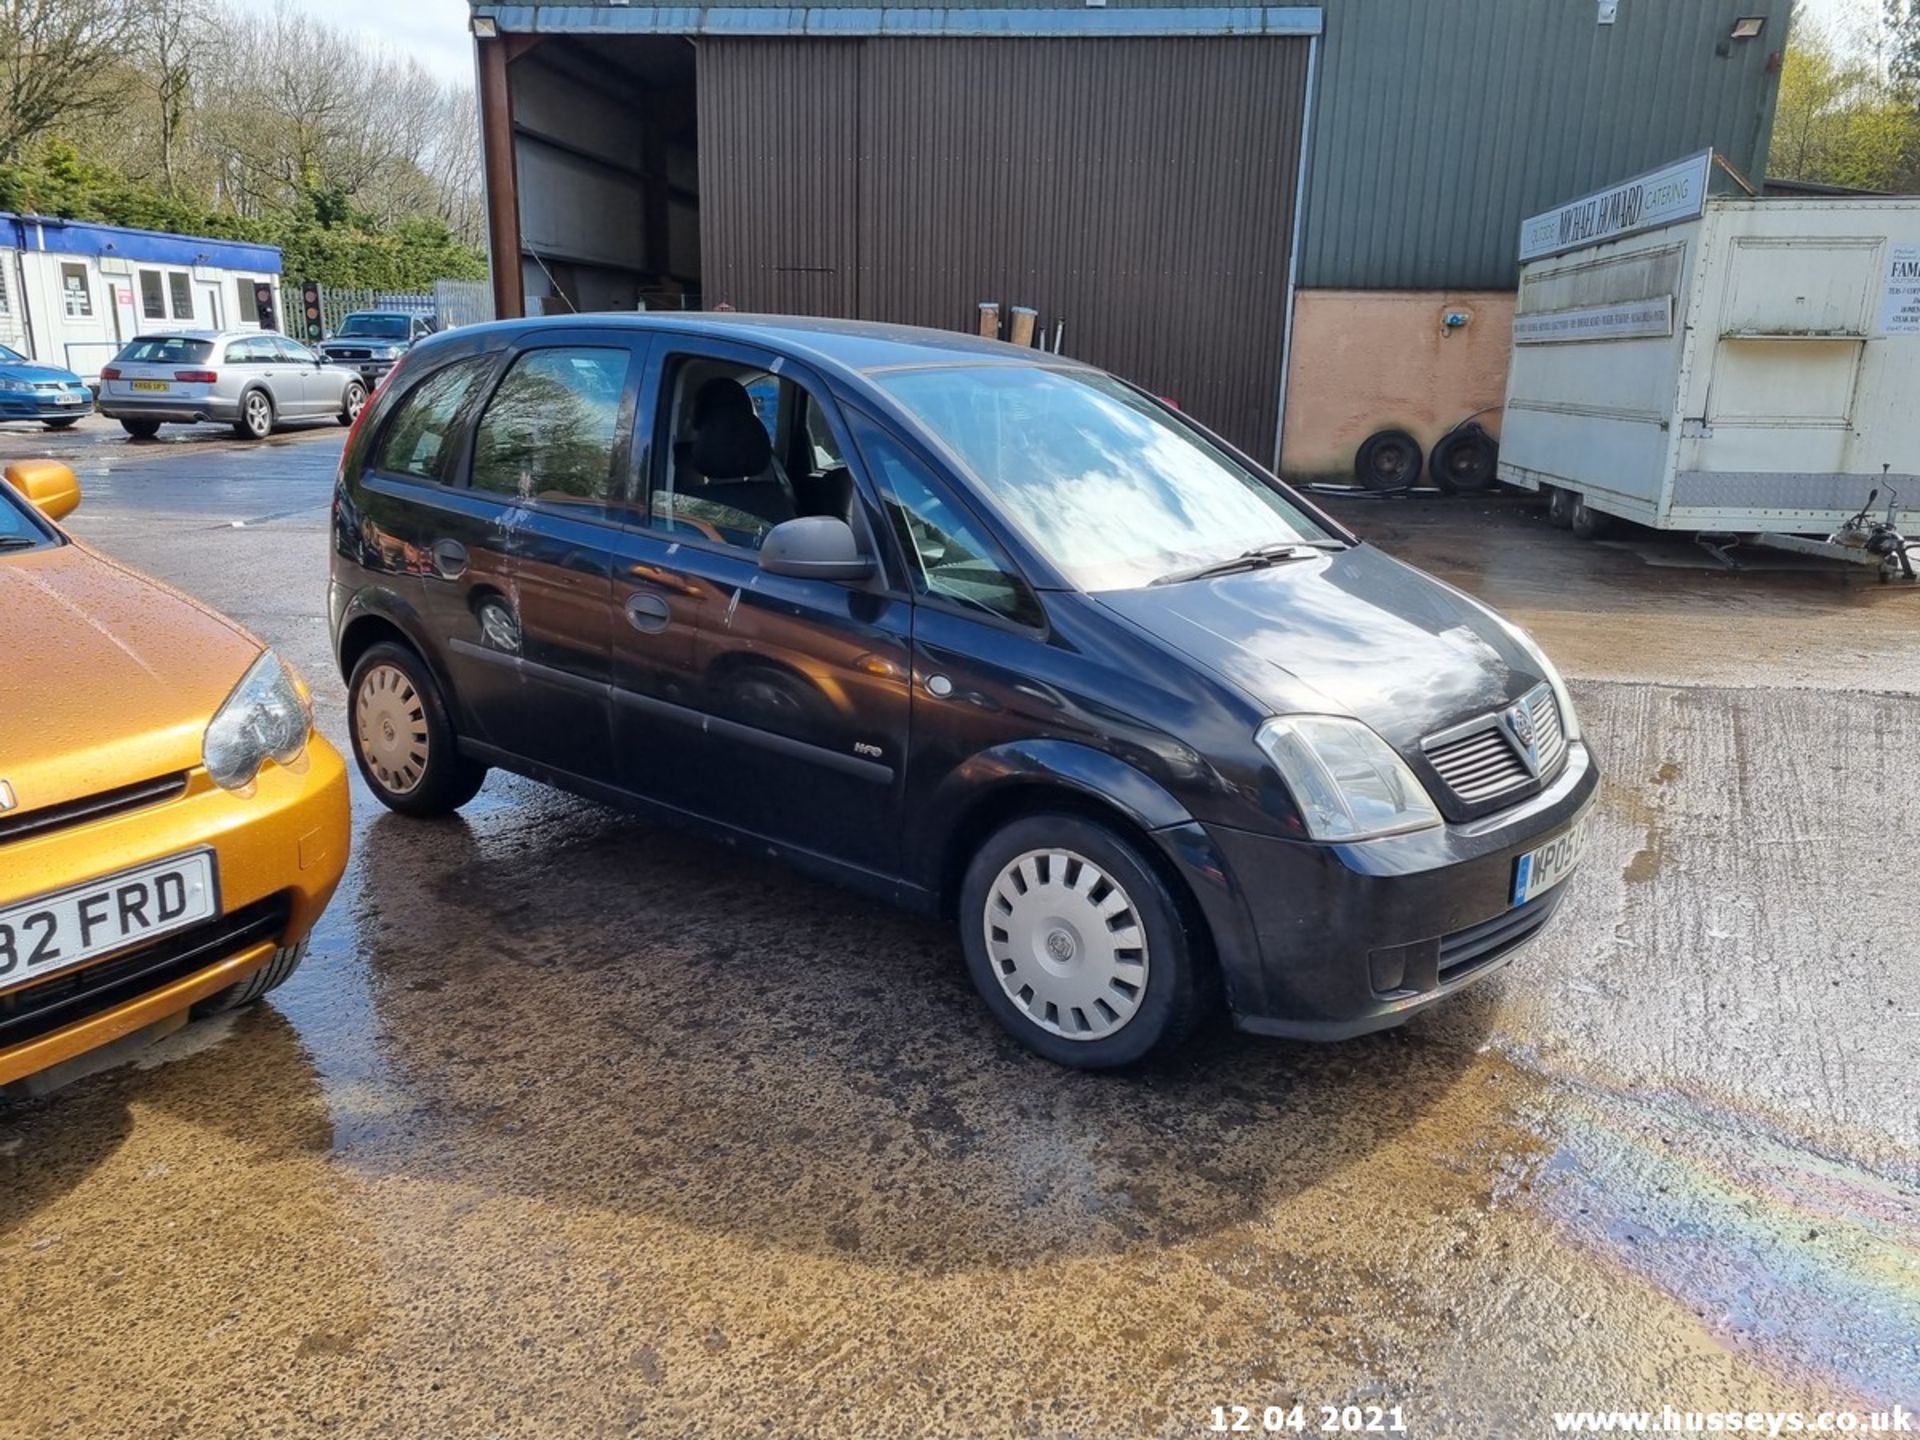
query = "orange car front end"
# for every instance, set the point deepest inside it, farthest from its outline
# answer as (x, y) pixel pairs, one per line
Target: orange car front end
(171, 826)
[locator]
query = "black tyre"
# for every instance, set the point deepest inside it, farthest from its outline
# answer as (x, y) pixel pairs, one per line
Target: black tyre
(256, 416)
(1078, 946)
(1387, 460)
(354, 402)
(1464, 461)
(402, 739)
(1560, 507)
(141, 429)
(1585, 521)
(66, 422)
(271, 976)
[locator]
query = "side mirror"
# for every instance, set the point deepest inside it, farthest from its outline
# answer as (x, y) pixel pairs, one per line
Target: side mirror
(814, 547)
(50, 487)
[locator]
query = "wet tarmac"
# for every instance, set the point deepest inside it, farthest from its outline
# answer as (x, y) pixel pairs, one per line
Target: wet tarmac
(576, 1128)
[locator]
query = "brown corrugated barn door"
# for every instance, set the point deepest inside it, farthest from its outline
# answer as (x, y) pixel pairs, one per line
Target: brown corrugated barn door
(1141, 191)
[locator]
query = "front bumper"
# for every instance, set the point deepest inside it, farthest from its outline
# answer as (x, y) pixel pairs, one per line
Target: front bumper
(36, 407)
(280, 853)
(1324, 942)
(371, 371)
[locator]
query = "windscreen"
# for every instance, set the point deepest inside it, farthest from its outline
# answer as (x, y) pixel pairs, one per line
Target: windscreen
(1111, 486)
(19, 530)
(373, 327)
(10, 356)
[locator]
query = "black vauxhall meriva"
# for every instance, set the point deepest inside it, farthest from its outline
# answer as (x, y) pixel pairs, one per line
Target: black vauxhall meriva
(977, 629)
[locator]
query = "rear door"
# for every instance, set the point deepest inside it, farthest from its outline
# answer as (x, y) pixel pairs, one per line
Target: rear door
(552, 445)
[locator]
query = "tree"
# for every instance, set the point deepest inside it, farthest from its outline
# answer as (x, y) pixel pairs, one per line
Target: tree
(56, 58)
(1839, 121)
(169, 36)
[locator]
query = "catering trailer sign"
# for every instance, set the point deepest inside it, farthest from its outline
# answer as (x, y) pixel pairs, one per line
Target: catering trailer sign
(1665, 196)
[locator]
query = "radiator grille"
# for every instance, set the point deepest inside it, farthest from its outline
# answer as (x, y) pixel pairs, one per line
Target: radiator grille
(1489, 758)
(48, 818)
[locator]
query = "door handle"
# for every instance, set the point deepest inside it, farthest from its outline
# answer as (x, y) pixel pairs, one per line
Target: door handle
(648, 614)
(449, 559)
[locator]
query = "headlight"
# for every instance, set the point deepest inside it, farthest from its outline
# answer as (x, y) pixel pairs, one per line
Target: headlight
(15, 385)
(267, 717)
(1348, 782)
(1569, 722)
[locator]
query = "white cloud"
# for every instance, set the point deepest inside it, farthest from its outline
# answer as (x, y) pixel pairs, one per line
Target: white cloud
(434, 32)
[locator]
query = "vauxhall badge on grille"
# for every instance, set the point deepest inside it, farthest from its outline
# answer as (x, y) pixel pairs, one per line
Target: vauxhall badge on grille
(1519, 721)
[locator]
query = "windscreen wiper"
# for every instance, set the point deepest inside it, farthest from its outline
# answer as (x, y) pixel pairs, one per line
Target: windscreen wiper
(1258, 558)
(17, 542)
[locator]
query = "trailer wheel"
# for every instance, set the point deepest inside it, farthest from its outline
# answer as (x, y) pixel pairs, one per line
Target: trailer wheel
(1587, 522)
(1464, 460)
(1387, 460)
(1560, 507)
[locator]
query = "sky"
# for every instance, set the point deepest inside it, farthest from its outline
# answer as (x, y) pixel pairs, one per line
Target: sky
(433, 31)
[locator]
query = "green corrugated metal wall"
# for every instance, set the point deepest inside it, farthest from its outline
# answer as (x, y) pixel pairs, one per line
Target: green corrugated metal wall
(1439, 124)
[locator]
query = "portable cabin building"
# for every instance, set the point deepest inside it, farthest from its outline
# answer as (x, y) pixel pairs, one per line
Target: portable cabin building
(72, 292)
(1717, 363)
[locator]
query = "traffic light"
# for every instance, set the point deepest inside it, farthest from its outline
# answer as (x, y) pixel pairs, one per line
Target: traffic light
(310, 304)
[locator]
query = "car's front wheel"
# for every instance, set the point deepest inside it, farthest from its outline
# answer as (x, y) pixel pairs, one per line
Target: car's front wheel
(256, 416)
(1077, 944)
(65, 422)
(354, 403)
(402, 738)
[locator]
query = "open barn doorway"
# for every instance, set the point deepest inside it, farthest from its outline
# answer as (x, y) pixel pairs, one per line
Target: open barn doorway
(605, 144)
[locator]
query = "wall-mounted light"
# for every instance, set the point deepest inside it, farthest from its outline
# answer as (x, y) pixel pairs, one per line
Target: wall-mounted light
(1748, 27)
(485, 28)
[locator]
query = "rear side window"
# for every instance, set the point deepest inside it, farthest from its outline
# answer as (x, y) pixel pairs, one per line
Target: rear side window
(167, 350)
(550, 431)
(422, 436)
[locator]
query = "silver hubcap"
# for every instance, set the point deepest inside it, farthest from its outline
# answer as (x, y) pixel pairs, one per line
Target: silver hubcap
(391, 724)
(1066, 944)
(356, 401)
(257, 412)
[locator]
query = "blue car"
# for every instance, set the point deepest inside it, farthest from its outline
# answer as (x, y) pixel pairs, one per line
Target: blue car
(29, 391)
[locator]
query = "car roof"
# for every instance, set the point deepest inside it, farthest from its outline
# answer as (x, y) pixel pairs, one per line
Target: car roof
(197, 335)
(859, 346)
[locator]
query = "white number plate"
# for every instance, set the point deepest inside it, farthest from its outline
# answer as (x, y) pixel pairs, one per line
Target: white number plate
(51, 933)
(1540, 870)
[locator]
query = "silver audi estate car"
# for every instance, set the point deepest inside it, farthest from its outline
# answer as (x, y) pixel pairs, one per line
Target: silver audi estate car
(252, 380)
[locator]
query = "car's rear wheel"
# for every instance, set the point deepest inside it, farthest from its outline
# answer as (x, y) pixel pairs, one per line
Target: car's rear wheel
(141, 429)
(270, 976)
(1077, 944)
(65, 422)
(256, 416)
(356, 401)
(402, 739)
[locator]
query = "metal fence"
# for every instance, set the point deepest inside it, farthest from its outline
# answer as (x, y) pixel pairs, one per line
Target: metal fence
(449, 303)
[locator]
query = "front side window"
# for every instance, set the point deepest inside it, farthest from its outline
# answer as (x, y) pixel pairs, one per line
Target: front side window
(1113, 488)
(423, 435)
(77, 291)
(291, 351)
(182, 286)
(951, 557)
(549, 432)
(153, 296)
(726, 473)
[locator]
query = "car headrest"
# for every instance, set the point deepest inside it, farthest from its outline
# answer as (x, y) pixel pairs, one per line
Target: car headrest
(729, 442)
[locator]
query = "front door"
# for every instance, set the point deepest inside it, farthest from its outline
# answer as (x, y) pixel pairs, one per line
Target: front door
(774, 704)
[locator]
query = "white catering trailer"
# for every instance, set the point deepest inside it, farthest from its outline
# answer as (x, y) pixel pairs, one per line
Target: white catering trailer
(1727, 364)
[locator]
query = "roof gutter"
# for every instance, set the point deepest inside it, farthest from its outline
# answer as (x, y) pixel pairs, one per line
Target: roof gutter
(836, 22)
